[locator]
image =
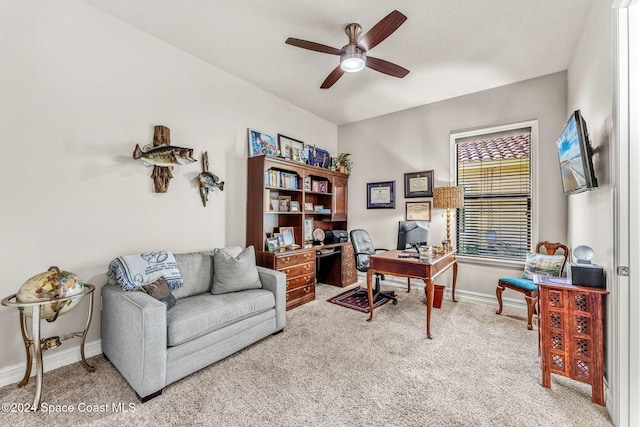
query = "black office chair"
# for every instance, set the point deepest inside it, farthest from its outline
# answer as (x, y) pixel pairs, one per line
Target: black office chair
(363, 248)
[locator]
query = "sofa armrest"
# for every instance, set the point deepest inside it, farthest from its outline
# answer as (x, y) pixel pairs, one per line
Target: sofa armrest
(276, 282)
(134, 337)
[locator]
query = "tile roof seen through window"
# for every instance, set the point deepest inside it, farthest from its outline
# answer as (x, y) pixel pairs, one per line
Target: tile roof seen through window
(515, 146)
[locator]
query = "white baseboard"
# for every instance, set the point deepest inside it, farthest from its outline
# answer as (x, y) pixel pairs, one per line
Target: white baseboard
(58, 359)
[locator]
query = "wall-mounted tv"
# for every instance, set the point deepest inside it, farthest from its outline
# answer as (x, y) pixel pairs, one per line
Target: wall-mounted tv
(575, 155)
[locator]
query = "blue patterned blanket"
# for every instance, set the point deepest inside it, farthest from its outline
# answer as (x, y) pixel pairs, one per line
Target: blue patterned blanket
(132, 271)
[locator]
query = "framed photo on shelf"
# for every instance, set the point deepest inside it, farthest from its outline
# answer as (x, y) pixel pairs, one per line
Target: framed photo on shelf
(294, 206)
(308, 230)
(308, 207)
(381, 195)
(418, 184)
(287, 236)
(292, 149)
(418, 211)
(272, 244)
(261, 143)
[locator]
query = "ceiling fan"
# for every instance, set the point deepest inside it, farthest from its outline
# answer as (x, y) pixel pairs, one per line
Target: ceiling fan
(353, 56)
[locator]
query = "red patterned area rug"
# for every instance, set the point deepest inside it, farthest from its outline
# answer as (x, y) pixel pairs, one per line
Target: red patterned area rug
(356, 302)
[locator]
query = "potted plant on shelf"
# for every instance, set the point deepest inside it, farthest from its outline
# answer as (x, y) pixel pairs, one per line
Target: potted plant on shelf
(343, 163)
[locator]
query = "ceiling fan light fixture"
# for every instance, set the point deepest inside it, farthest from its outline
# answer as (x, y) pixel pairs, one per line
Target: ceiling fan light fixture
(352, 59)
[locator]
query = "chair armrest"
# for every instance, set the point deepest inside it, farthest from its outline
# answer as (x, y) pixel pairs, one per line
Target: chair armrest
(276, 282)
(380, 249)
(134, 337)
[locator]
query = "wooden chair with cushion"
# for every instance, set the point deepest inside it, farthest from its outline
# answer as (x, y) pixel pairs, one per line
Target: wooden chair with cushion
(548, 263)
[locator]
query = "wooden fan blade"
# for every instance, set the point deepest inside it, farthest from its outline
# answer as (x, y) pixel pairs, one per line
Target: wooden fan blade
(386, 67)
(313, 46)
(332, 77)
(383, 29)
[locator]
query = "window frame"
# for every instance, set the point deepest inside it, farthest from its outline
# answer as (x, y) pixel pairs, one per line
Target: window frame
(487, 132)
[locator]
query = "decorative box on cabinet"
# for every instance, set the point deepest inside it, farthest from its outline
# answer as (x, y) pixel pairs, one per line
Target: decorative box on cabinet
(571, 334)
(299, 266)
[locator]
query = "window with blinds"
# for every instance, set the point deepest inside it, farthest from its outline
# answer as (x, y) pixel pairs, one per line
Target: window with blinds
(496, 175)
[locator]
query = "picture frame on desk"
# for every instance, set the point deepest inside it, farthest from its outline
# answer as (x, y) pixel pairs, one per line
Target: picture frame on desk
(418, 184)
(381, 195)
(261, 143)
(418, 211)
(273, 245)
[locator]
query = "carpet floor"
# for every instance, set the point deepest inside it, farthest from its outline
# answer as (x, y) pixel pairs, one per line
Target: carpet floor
(330, 367)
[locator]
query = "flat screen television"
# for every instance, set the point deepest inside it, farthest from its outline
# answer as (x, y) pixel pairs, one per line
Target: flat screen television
(412, 234)
(575, 155)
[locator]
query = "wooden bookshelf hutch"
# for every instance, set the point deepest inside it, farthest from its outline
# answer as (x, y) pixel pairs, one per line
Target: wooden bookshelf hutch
(321, 197)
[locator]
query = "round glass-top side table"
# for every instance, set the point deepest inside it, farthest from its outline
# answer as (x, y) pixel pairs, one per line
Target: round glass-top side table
(34, 345)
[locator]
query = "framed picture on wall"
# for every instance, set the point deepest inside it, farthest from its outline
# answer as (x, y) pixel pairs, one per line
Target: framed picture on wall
(418, 184)
(381, 195)
(418, 211)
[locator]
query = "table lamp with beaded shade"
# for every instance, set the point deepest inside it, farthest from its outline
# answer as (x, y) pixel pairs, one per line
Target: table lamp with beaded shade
(448, 198)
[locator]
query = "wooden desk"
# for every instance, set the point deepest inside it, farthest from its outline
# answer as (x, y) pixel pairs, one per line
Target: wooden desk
(389, 262)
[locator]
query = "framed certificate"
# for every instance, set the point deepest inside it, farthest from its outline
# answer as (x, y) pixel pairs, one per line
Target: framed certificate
(418, 184)
(381, 195)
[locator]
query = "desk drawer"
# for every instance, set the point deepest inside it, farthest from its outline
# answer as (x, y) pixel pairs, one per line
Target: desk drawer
(294, 259)
(298, 281)
(299, 270)
(307, 292)
(349, 274)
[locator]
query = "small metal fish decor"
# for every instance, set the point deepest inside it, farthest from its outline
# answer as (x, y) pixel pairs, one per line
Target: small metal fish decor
(208, 181)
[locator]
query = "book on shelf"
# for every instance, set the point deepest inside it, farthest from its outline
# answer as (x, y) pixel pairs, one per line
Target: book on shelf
(276, 178)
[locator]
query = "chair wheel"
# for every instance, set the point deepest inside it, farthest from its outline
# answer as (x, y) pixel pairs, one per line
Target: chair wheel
(395, 302)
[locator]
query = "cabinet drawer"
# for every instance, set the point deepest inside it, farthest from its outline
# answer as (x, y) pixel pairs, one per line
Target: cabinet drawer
(293, 259)
(308, 291)
(299, 270)
(298, 281)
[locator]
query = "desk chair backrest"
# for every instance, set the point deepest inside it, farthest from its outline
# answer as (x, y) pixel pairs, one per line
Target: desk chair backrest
(362, 247)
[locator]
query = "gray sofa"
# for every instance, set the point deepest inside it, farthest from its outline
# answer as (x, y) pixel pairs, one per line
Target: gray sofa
(153, 346)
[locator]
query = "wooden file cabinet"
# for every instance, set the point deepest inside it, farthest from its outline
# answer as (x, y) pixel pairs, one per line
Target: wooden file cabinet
(571, 335)
(299, 266)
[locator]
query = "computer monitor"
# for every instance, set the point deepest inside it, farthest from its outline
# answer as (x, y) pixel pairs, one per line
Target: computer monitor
(412, 234)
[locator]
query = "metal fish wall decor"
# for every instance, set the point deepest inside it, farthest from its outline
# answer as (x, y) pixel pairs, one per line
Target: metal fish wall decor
(208, 181)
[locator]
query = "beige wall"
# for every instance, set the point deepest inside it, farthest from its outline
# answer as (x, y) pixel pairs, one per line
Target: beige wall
(78, 90)
(386, 147)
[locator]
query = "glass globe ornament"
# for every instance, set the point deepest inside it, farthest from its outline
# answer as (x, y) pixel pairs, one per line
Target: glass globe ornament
(50, 285)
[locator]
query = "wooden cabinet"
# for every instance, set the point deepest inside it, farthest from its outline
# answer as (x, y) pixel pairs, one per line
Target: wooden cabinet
(299, 266)
(274, 185)
(571, 335)
(336, 265)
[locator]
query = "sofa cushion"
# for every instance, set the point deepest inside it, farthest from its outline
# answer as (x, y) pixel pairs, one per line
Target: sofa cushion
(199, 315)
(196, 269)
(234, 273)
(550, 265)
(160, 290)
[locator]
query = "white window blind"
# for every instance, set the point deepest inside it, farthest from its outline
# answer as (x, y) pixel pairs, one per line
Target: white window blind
(496, 175)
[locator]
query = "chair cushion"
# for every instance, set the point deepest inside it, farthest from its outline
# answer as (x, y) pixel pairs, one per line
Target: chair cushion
(550, 265)
(234, 273)
(198, 315)
(524, 284)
